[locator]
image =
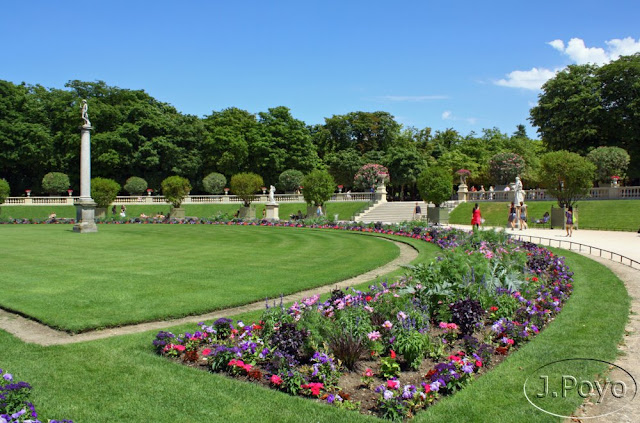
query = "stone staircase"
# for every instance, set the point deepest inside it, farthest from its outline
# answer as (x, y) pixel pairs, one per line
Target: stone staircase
(395, 212)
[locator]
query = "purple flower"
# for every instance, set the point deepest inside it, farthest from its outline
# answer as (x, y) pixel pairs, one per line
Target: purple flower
(8, 377)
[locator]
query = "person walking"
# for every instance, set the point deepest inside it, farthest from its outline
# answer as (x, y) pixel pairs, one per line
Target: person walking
(513, 215)
(476, 217)
(523, 216)
(569, 222)
(417, 212)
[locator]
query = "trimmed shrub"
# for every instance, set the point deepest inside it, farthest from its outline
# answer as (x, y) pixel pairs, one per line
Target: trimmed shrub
(104, 191)
(55, 183)
(245, 186)
(135, 185)
(318, 187)
(5, 191)
(371, 174)
(214, 183)
(175, 189)
(434, 185)
(290, 180)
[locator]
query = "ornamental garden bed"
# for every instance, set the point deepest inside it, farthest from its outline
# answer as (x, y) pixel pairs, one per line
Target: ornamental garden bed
(393, 349)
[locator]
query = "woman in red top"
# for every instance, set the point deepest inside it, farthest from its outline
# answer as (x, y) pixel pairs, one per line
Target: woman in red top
(476, 217)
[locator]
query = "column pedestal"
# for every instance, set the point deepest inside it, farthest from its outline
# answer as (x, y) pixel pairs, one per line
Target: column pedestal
(272, 213)
(85, 217)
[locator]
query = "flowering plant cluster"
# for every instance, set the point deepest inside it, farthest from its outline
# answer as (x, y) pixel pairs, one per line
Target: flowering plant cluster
(448, 320)
(371, 175)
(504, 167)
(463, 172)
(15, 406)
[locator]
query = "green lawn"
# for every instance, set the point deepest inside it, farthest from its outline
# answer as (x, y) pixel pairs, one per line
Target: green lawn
(344, 209)
(120, 379)
(133, 273)
(612, 215)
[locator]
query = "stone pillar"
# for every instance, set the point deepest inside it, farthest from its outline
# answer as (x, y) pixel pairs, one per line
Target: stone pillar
(463, 191)
(272, 212)
(85, 206)
(381, 194)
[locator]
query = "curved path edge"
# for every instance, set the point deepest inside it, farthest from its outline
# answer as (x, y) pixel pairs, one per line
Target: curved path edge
(34, 332)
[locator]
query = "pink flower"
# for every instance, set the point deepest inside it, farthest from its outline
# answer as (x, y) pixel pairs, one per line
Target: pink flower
(374, 336)
(387, 325)
(393, 384)
(276, 380)
(452, 326)
(206, 351)
(179, 347)
(443, 325)
(368, 372)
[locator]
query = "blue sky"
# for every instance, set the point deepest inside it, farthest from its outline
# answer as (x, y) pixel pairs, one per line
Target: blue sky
(465, 65)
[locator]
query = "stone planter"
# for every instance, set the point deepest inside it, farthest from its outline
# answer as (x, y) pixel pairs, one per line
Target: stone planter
(438, 215)
(101, 212)
(247, 212)
(176, 213)
(557, 217)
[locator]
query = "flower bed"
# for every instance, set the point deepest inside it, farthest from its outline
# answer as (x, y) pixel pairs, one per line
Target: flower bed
(396, 348)
(15, 406)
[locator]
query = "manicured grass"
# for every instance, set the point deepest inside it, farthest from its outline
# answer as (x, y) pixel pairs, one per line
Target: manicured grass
(344, 209)
(612, 215)
(121, 379)
(132, 273)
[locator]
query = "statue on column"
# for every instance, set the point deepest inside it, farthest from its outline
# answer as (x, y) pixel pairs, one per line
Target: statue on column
(518, 193)
(85, 115)
(272, 196)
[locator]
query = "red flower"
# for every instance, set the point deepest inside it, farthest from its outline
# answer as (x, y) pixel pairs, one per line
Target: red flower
(276, 380)
(493, 308)
(368, 298)
(206, 351)
(392, 354)
(478, 363)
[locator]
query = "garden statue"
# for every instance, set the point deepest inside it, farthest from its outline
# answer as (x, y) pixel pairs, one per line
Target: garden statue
(272, 192)
(518, 193)
(85, 115)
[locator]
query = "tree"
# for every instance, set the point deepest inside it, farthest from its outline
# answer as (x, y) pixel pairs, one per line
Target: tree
(343, 165)
(229, 134)
(55, 183)
(175, 189)
(609, 161)
(214, 183)
(135, 185)
(504, 167)
(370, 175)
(318, 187)
(434, 185)
(405, 164)
(566, 176)
(569, 111)
(104, 191)
(245, 186)
(5, 191)
(290, 180)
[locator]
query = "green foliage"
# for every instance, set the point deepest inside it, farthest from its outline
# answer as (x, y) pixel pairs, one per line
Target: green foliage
(5, 191)
(343, 165)
(214, 183)
(290, 180)
(567, 176)
(104, 191)
(389, 367)
(135, 185)
(434, 185)
(55, 182)
(609, 161)
(413, 346)
(504, 167)
(175, 189)
(318, 187)
(245, 186)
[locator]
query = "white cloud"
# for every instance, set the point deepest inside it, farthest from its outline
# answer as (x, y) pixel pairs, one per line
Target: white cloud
(579, 53)
(530, 80)
(448, 115)
(412, 98)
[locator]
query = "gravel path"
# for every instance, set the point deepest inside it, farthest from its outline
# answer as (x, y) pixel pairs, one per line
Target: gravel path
(33, 332)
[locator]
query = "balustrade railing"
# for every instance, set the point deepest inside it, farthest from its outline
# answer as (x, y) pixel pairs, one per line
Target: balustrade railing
(195, 199)
(602, 193)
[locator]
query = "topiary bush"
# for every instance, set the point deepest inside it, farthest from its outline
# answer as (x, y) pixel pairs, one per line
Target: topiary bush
(290, 180)
(245, 186)
(135, 185)
(5, 191)
(214, 183)
(175, 189)
(104, 191)
(434, 185)
(55, 183)
(318, 187)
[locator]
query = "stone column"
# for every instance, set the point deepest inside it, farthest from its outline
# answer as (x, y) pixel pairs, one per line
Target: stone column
(463, 191)
(85, 206)
(381, 193)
